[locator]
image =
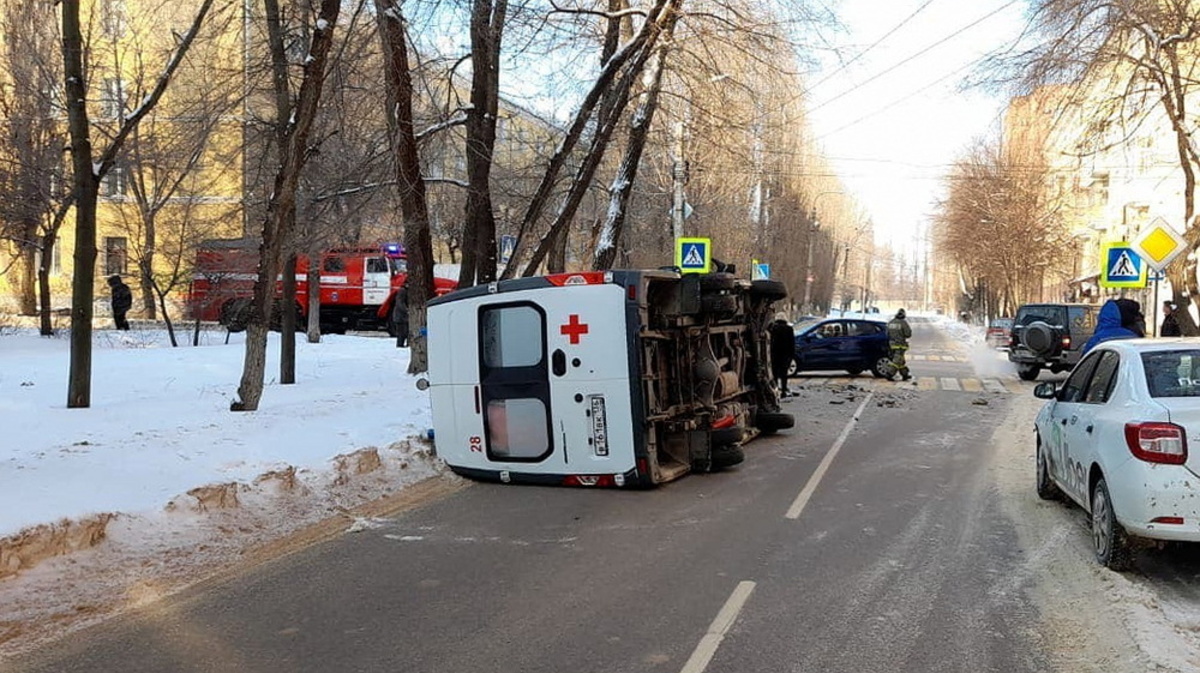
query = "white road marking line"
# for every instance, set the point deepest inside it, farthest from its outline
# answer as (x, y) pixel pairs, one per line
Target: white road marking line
(994, 386)
(708, 645)
(806, 493)
(950, 384)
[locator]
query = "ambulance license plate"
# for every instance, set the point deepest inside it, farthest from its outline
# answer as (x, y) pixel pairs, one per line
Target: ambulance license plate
(599, 425)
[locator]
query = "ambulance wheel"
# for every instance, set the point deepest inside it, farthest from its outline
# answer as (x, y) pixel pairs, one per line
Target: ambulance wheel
(727, 456)
(717, 282)
(773, 421)
(724, 437)
(719, 304)
(767, 290)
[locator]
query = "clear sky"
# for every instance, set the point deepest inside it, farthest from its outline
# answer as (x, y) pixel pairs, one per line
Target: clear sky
(905, 89)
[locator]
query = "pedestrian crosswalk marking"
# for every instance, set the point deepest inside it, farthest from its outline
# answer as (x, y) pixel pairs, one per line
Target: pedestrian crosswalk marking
(937, 358)
(922, 383)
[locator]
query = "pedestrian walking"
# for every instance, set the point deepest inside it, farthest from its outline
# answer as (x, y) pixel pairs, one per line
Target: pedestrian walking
(783, 351)
(400, 315)
(899, 333)
(122, 301)
(1170, 324)
(1132, 317)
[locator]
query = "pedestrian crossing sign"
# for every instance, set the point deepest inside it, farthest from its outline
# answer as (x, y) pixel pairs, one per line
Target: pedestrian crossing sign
(693, 255)
(1121, 266)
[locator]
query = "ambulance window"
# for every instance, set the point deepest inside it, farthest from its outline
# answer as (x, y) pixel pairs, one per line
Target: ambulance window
(512, 336)
(517, 428)
(377, 265)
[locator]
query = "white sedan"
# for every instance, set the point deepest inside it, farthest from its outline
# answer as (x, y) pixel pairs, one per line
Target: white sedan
(1114, 438)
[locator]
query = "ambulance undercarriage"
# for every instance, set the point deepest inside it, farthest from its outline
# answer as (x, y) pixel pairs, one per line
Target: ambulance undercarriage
(622, 378)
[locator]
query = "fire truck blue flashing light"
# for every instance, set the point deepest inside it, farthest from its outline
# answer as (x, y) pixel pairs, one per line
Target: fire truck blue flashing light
(393, 250)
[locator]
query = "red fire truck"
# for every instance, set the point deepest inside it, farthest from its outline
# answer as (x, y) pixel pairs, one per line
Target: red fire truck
(357, 284)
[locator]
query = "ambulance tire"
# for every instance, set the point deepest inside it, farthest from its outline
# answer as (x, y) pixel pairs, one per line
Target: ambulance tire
(770, 422)
(720, 305)
(768, 290)
(727, 456)
(724, 437)
(717, 282)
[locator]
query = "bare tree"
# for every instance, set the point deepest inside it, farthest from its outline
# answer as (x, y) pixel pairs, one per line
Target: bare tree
(31, 162)
(293, 134)
(1000, 224)
(88, 171)
(1143, 55)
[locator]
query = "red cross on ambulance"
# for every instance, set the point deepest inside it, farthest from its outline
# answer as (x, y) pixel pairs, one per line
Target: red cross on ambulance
(573, 329)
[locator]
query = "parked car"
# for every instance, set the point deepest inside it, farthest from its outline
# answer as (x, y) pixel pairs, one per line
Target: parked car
(998, 332)
(837, 344)
(1114, 439)
(1050, 336)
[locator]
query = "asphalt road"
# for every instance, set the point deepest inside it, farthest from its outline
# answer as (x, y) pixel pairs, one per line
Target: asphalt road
(840, 546)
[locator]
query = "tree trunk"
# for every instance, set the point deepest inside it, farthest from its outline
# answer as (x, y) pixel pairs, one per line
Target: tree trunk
(479, 228)
(610, 70)
(622, 187)
(79, 388)
(287, 323)
(297, 127)
(26, 277)
(410, 183)
(146, 267)
(615, 99)
(314, 294)
(44, 266)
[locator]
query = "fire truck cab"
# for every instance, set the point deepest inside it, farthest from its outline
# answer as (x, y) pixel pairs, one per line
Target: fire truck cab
(620, 378)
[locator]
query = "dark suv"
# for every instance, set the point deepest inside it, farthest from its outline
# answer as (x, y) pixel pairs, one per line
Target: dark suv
(1050, 336)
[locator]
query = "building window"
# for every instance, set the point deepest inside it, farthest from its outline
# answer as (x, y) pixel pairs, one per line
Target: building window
(113, 18)
(112, 100)
(116, 181)
(116, 256)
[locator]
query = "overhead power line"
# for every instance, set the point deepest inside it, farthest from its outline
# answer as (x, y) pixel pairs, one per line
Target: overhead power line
(918, 54)
(874, 44)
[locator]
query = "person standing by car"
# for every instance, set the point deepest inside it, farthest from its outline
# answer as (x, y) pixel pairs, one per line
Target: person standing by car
(1132, 317)
(898, 335)
(1170, 324)
(783, 351)
(122, 301)
(1112, 324)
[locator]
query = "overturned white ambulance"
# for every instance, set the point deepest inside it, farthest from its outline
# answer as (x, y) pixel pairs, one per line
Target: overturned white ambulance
(618, 378)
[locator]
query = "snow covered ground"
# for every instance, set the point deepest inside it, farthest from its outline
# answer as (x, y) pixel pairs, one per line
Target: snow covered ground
(192, 485)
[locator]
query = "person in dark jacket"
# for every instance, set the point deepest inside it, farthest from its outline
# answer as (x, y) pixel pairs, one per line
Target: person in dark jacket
(899, 333)
(122, 301)
(783, 351)
(1132, 317)
(1109, 325)
(1170, 324)
(400, 315)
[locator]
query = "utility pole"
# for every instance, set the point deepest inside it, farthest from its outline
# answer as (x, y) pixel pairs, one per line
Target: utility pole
(678, 178)
(814, 224)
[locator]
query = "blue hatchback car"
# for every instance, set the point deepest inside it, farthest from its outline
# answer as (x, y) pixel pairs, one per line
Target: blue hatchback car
(836, 344)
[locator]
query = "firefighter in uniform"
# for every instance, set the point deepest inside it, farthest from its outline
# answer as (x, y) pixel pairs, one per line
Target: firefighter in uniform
(899, 333)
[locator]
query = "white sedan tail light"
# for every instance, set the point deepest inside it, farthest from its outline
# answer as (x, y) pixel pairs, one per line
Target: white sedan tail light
(1157, 442)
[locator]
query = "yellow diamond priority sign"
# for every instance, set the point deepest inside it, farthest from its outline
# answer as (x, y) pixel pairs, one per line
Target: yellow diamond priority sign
(1159, 243)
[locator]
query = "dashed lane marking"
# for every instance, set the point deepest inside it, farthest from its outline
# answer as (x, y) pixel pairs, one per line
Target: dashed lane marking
(950, 384)
(724, 620)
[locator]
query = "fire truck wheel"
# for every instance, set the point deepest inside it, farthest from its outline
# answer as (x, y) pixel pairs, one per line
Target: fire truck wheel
(235, 314)
(727, 456)
(717, 282)
(767, 290)
(719, 304)
(773, 421)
